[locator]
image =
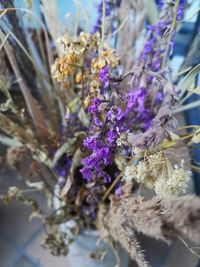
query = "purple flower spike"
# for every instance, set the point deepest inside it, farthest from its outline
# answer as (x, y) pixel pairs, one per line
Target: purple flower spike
(87, 174)
(98, 122)
(112, 136)
(94, 108)
(118, 191)
(104, 76)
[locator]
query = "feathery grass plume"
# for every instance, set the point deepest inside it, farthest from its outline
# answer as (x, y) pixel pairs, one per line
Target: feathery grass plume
(157, 218)
(113, 229)
(51, 14)
(134, 12)
(183, 214)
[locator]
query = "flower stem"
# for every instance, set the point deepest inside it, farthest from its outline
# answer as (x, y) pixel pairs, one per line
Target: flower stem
(171, 34)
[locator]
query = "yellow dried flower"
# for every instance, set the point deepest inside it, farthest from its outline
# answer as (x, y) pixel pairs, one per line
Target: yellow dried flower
(196, 137)
(110, 56)
(95, 86)
(120, 162)
(78, 77)
(87, 101)
(98, 64)
(140, 173)
(64, 66)
(65, 44)
(89, 41)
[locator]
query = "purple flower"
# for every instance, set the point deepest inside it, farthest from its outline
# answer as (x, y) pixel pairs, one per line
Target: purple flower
(115, 113)
(97, 122)
(118, 191)
(104, 76)
(109, 9)
(92, 142)
(120, 114)
(152, 54)
(91, 161)
(112, 136)
(137, 99)
(159, 98)
(94, 108)
(106, 177)
(87, 174)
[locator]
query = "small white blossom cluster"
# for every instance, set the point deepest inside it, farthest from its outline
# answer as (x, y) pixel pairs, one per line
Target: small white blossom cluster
(176, 183)
(157, 172)
(120, 162)
(122, 140)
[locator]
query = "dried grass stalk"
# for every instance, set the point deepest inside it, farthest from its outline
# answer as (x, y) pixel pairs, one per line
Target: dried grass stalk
(32, 104)
(135, 11)
(52, 15)
(113, 228)
(161, 219)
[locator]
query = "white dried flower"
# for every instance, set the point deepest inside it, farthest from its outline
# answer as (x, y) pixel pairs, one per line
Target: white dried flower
(137, 151)
(120, 162)
(142, 172)
(156, 163)
(130, 172)
(176, 182)
(122, 140)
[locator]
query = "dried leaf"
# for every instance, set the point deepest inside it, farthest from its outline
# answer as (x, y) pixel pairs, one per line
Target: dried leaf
(195, 90)
(66, 148)
(38, 185)
(185, 83)
(196, 137)
(8, 105)
(75, 162)
(98, 254)
(83, 118)
(80, 197)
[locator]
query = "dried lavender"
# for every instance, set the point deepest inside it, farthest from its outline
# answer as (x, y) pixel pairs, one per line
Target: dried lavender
(156, 44)
(110, 6)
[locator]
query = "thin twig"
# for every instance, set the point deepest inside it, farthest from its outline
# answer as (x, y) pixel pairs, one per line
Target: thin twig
(171, 33)
(112, 186)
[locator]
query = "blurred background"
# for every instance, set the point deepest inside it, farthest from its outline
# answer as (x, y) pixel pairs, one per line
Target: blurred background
(20, 239)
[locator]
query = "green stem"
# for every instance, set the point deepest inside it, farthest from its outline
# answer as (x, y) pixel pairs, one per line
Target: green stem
(186, 107)
(171, 33)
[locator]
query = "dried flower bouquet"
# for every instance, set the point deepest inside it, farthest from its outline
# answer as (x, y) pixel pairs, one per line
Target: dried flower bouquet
(99, 123)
